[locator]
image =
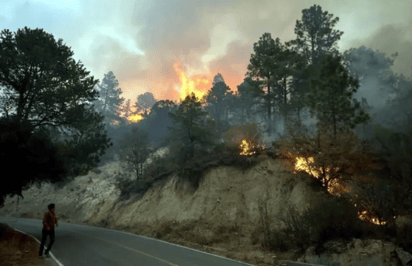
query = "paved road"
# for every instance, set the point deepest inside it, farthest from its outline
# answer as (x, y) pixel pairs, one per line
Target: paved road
(78, 245)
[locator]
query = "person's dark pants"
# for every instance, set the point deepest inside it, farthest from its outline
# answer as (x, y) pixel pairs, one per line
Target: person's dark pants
(44, 234)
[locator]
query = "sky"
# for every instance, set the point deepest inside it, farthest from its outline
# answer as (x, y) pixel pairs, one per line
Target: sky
(158, 46)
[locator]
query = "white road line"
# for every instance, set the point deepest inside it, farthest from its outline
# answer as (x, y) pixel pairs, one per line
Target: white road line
(51, 254)
(134, 250)
(117, 231)
(169, 244)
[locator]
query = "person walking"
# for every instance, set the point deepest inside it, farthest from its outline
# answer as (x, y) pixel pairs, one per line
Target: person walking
(49, 219)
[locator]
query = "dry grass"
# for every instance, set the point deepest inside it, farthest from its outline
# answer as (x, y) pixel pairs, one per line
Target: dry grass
(17, 249)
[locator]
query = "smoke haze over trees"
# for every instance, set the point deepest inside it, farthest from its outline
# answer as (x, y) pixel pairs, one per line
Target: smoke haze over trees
(305, 80)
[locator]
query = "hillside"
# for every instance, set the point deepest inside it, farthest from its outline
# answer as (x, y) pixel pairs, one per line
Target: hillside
(221, 216)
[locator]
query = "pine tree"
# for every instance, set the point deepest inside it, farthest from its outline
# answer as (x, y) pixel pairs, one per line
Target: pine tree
(315, 37)
(144, 102)
(127, 111)
(109, 103)
(45, 87)
(315, 34)
(264, 63)
(218, 103)
(330, 96)
(134, 150)
(247, 99)
(191, 129)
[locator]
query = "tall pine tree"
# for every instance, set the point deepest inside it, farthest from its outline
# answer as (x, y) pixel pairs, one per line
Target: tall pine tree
(218, 104)
(315, 34)
(190, 131)
(315, 37)
(264, 63)
(144, 102)
(247, 99)
(330, 96)
(109, 103)
(126, 109)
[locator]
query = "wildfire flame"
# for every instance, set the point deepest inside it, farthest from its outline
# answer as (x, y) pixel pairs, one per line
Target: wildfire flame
(303, 164)
(138, 117)
(246, 147)
(135, 118)
(189, 85)
(364, 216)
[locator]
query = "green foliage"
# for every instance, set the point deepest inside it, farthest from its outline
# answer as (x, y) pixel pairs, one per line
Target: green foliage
(404, 236)
(290, 63)
(18, 147)
(35, 49)
(160, 167)
(331, 219)
(89, 141)
(247, 98)
(130, 187)
(396, 150)
(263, 66)
(109, 102)
(315, 35)
(144, 101)
(191, 129)
(47, 87)
(330, 96)
(218, 148)
(134, 149)
(218, 102)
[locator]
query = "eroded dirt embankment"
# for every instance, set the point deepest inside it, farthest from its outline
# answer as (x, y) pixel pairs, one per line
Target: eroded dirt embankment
(220, 217)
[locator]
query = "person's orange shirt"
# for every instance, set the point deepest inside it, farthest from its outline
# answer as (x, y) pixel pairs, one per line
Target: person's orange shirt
(49, 220)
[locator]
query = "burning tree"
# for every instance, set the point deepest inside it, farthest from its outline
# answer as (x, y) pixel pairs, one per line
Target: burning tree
(375, 199)
(329, 160)
(340, 165)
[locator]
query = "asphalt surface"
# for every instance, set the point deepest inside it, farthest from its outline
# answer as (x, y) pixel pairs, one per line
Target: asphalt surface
(78, 245)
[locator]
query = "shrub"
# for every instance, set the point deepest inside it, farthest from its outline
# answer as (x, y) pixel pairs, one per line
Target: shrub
(334, 218)
(404, 237)
(164, 230)
(219, 148)
(129, 187)
(235, 134)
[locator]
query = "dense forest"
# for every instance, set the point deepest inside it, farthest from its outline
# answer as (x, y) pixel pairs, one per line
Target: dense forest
(302, 98)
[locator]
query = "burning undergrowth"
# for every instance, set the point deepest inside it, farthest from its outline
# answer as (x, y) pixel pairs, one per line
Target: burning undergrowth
(241, 150)
(245, 140)
(339, 162)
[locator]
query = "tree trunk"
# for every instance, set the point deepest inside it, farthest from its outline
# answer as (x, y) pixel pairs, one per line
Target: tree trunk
(269, 109)
(285, 101)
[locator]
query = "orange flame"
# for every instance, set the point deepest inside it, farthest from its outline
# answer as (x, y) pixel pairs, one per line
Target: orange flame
(303, 164)
(135, 118)
(138, 117)
(189, 85)
(246, 147)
